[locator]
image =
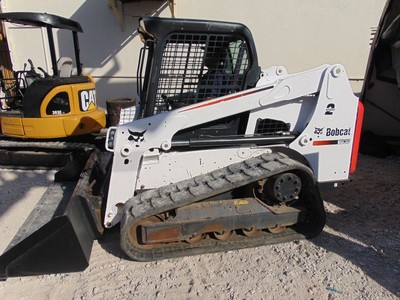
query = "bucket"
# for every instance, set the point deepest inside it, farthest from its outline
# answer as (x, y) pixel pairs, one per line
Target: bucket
(120, 111)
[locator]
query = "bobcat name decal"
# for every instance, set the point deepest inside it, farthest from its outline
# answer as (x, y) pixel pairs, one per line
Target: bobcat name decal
(342, 136)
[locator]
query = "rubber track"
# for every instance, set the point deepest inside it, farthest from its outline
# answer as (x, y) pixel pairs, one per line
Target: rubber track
(185, 192)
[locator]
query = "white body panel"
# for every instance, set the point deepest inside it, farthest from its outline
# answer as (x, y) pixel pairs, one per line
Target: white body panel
(167, 168)
(324, 125)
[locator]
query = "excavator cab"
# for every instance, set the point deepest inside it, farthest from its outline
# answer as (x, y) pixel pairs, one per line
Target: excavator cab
(41, 105)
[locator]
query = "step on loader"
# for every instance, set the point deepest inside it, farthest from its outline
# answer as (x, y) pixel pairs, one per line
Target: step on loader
(225, 154)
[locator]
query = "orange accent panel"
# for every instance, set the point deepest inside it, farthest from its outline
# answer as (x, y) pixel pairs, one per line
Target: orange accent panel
(357, 136)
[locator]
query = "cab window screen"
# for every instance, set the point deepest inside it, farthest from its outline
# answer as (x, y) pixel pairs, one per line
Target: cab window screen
(198, 67)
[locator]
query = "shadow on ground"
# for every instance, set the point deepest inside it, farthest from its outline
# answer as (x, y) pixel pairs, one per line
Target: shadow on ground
(362, 222)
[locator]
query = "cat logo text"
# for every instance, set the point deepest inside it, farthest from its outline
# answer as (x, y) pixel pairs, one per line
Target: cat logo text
(87, 99)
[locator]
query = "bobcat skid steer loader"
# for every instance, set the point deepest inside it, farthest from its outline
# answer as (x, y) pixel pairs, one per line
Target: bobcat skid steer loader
(226, 155)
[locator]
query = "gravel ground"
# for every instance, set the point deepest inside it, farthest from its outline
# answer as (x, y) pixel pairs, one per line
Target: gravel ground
(355, 257)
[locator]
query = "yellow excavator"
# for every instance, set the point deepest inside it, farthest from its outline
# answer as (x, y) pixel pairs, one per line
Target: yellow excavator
(43, 106)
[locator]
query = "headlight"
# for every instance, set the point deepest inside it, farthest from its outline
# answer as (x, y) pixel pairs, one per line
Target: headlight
(110, 139)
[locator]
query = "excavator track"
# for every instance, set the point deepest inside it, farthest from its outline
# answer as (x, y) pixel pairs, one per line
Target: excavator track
(29, 153)
(148, 206)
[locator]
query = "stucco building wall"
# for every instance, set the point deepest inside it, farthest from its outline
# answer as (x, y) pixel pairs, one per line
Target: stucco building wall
(296, 34)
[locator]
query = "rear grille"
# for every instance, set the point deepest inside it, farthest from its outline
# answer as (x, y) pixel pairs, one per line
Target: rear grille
(270, 126)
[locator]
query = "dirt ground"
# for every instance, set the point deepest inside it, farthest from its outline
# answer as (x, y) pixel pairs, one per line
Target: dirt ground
(355, 257)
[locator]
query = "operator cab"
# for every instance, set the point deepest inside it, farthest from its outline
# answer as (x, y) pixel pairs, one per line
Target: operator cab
(188, 61)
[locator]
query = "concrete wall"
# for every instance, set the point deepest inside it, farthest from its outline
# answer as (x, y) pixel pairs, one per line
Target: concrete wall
(297, 34)
(108, 53)
(300, 34)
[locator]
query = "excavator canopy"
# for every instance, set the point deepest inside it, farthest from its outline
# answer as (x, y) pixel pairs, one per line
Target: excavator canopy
(49, 22)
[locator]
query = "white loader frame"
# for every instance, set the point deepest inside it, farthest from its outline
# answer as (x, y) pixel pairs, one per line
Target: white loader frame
(318, 104)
